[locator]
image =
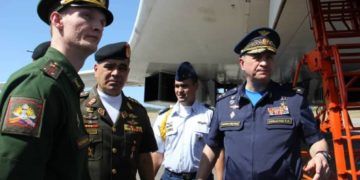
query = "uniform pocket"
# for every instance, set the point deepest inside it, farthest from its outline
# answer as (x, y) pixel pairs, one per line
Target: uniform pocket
(170, 138)
(199, 134)
(95, 150)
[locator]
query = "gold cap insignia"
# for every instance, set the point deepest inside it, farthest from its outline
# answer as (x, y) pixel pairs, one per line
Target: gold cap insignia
(264, 32)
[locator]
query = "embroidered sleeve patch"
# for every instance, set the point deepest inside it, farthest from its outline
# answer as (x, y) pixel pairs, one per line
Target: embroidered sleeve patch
(23, 116)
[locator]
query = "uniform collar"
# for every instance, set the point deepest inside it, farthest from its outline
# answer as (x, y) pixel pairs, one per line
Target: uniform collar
(194, 108)
(94, 101)
(243, 99)
(68, 68)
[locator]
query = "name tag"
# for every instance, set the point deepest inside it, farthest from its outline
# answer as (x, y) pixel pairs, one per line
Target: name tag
(280, 121)
(230, 124)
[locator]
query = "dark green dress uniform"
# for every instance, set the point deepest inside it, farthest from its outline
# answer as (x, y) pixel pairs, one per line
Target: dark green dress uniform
(41, 134)
(114, 148)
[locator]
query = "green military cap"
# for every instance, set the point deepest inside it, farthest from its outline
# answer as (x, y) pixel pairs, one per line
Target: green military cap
(45, 7)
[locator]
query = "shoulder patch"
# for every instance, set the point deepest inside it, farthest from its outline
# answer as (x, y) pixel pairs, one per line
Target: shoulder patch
(164, 110)
(226, 94)
(52, 69)
(299, 90)
(23, 116)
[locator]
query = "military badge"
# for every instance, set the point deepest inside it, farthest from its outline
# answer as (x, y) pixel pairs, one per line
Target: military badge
(232, 114)
(92, 131)
(89, 109)
(90, 122)
(91, 125)
(132, 116)
(90, 116)
(169, 127)
(264, 32)
(280, 110)
(91, 102)
(52, 69)
(124, 114)
(132, 129)
(101, 111)
(23, 116)
(232, 102)
(133, 122)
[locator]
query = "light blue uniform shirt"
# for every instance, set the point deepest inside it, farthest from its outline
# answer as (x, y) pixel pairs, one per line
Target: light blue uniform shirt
(253, 96)
(185, 137)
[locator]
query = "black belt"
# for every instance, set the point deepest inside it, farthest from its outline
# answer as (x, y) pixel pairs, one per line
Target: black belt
(185, 176)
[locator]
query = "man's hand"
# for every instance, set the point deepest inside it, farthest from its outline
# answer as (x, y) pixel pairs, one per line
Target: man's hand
(320, 164)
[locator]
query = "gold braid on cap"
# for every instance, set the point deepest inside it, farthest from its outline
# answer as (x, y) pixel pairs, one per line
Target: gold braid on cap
(100, 3)
(263, 43)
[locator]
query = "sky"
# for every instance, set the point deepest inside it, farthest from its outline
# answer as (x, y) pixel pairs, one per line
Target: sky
(22, 30)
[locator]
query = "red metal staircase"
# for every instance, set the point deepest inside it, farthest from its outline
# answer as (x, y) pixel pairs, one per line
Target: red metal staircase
(336, 28)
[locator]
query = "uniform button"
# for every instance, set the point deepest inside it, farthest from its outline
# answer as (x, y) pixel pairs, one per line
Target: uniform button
(113, 129)
(114, 150)
(113, 171)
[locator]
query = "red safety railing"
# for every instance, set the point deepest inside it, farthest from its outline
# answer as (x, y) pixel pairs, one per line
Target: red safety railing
(339, 65)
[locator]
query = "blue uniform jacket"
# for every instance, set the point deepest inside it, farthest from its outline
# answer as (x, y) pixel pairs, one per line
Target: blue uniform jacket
(262, 141)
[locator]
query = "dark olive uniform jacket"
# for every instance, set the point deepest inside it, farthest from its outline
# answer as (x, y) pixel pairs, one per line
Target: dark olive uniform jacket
(114, 148)
(42, 135)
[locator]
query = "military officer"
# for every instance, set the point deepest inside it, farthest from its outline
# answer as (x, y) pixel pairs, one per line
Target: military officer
(180, 131)
(261, 124)
(41, 132)
(40, 50)
(121, 137)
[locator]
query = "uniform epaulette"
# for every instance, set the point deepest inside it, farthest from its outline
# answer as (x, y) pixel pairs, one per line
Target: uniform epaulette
(209, 106)
(226, 94)
(52, 69)
(164, 110)
(299, 90)
(84, 94)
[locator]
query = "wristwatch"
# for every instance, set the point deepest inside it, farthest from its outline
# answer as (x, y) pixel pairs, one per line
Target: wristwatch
(326, 155)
